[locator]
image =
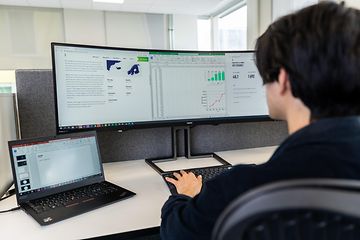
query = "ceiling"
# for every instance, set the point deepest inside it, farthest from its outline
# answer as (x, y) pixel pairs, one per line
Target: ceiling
(191, 7)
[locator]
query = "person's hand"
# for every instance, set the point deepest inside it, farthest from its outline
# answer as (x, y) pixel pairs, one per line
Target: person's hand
(186, 183)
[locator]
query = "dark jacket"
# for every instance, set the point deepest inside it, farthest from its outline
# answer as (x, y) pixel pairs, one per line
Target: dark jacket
(328, 148)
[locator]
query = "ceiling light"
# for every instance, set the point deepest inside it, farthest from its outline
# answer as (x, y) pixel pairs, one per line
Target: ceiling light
(109, 1)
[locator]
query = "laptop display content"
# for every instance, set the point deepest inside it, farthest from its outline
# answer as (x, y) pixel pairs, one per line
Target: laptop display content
(60, 177)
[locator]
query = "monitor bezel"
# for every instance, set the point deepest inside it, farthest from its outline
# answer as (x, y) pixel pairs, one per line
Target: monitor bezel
(148, 124)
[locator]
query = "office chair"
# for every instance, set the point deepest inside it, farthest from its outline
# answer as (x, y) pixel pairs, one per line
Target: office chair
(313, 209)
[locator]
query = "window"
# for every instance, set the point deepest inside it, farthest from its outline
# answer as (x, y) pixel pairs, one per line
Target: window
(225, 30)
(232, 30)
(204, 34)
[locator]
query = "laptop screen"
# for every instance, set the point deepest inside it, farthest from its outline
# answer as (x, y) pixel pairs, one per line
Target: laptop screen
(43, 165)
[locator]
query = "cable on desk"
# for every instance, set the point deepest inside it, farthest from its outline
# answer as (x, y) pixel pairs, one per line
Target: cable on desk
(10, 210)
(8, 194)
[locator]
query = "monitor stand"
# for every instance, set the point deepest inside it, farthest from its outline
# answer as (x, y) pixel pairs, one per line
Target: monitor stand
(187, 143)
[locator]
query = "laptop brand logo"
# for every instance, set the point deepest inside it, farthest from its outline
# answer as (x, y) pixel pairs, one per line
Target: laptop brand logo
(48, 219)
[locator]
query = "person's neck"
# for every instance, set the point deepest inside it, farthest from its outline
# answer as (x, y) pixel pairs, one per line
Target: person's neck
(297, 117)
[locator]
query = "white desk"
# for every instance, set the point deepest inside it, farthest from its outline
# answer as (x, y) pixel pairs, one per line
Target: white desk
(139, 212)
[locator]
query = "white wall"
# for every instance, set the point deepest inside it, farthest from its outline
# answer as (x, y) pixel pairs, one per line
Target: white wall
(252, 23)
(158, 30)
(283, 7)
(353, 3)
(127, 29)
(84, 26)
(26, 33)
(350, 3)
(265, 15)
(136, 30)
(185, 32)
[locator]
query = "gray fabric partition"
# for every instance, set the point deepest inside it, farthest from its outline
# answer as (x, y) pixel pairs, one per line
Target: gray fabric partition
(35, 93)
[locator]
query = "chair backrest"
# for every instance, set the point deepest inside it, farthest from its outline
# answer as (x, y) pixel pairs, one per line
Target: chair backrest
(318, 209)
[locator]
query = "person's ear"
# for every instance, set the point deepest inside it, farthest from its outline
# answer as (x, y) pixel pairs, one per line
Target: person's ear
(283, 80)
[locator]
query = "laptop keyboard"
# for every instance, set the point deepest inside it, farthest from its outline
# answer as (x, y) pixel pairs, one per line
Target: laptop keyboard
(207, 173)
(72, 197)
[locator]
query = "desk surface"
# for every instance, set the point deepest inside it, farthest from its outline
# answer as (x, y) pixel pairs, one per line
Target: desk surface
(139, 212)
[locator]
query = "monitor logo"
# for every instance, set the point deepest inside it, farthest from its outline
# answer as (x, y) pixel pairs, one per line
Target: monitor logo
(48, 219)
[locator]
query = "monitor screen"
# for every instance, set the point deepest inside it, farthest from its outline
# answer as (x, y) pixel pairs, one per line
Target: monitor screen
(104, 87)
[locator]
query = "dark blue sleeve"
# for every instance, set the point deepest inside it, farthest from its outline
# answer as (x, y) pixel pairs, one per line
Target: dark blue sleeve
(185, 218)
(172, 220)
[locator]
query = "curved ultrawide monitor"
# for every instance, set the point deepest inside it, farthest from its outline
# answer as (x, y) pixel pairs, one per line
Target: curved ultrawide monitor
(100, 87)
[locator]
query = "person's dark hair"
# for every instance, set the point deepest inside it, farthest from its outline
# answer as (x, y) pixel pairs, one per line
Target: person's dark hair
(319, 47)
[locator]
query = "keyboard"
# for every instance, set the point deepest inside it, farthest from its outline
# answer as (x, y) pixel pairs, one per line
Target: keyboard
(207, 173)
(72, 197)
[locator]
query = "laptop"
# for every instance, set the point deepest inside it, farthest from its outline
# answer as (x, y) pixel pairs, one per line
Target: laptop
(60, 177)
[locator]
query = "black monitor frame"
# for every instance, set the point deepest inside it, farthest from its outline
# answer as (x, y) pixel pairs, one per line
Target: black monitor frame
(149, 124)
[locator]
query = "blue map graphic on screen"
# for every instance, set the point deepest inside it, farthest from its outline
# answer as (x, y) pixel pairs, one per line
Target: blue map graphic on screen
(134, 70)
(109, 63)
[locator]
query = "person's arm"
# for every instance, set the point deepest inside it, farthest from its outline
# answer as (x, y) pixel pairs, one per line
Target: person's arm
(184, 217)
(188, 186)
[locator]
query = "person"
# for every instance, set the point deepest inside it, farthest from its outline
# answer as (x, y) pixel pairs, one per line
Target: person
(310, 65)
